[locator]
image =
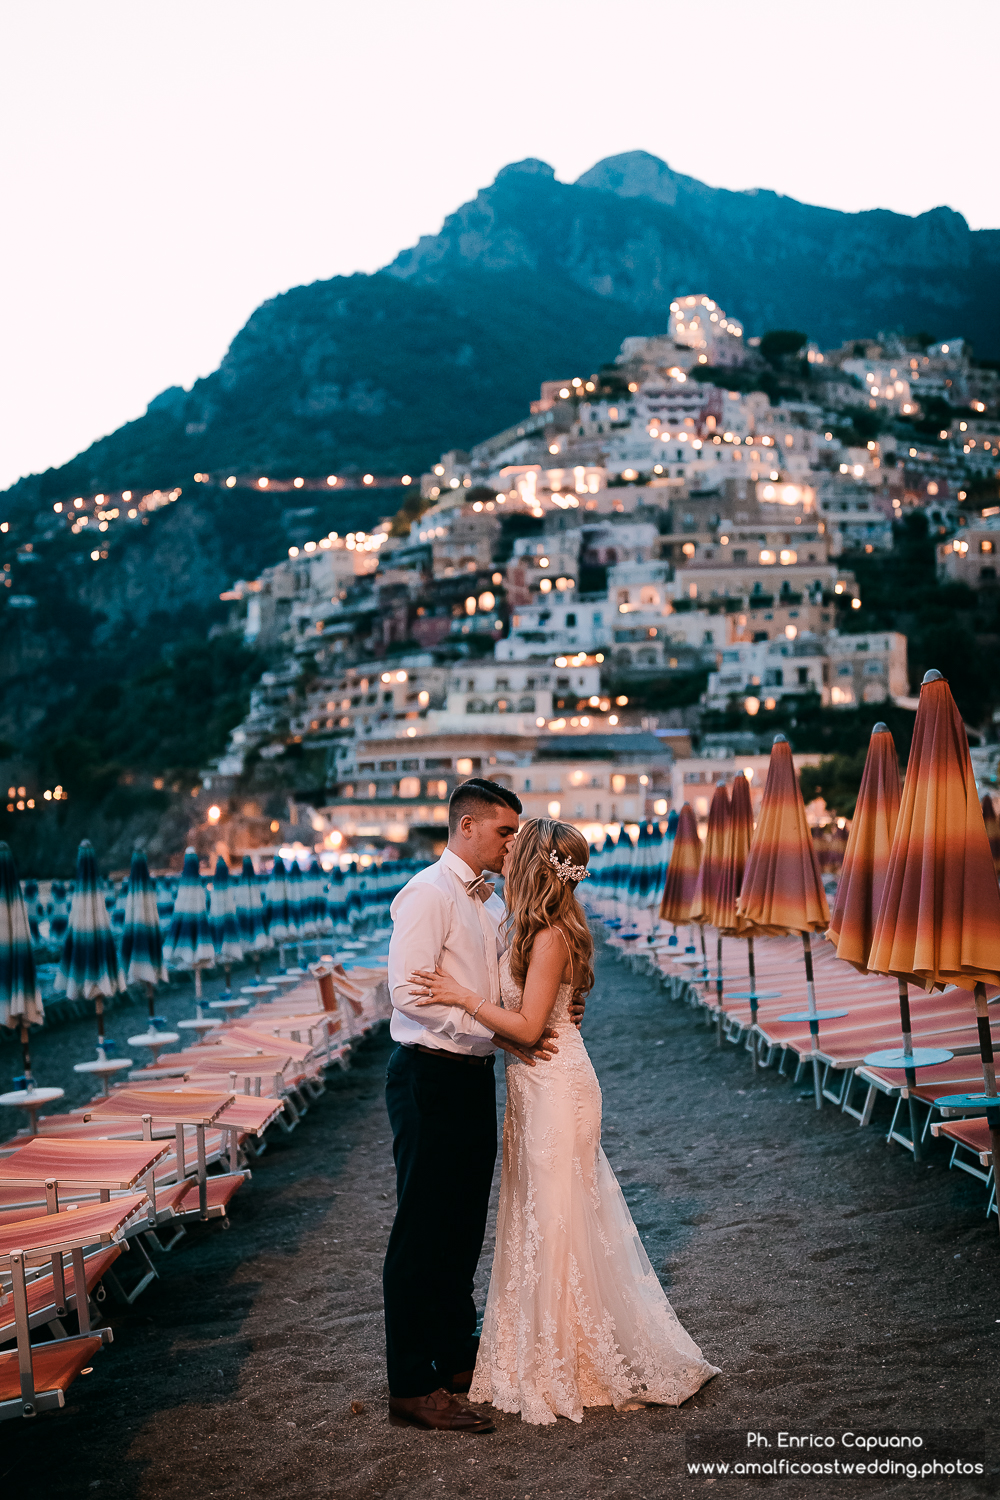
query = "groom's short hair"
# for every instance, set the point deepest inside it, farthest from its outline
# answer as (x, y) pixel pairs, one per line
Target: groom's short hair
(475, 797)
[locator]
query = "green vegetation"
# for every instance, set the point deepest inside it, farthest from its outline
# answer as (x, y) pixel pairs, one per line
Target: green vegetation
(781, 342)
(837, 780)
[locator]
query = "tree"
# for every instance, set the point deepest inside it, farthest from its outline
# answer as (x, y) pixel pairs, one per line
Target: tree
(781, 341)
(837, 780)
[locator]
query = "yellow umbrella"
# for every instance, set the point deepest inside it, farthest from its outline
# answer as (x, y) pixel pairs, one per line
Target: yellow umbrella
(782, 890)
(736, 850)
(939, 920)
(704, 905)
(859, 897)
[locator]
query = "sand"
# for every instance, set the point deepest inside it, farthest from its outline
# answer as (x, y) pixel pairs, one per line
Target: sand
(838, 1286)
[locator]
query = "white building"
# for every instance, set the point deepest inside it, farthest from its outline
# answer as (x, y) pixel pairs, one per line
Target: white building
(844, 670)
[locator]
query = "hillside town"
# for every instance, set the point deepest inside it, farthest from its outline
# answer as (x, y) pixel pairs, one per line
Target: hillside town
(566, 601)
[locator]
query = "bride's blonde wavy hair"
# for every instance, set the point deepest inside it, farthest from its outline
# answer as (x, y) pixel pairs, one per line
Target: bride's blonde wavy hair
(536, 898)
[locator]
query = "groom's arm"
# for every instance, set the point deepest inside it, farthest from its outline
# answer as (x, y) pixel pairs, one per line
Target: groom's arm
(421, 922)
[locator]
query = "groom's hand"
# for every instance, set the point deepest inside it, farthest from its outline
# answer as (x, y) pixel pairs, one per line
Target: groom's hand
(576, 1008)
(544, 1050)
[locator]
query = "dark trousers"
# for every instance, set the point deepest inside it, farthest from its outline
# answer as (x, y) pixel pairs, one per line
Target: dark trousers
(444, 1142)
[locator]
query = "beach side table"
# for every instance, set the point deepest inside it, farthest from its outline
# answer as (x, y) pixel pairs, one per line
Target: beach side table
(104, 1068)
(229, 1006)
(154, 1040)
(32, 1101)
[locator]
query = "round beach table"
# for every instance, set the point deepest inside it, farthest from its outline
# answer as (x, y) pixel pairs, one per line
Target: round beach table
(32, 1101)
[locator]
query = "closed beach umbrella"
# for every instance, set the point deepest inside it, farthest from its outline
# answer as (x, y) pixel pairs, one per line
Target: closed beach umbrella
(704, 902)
(656, 870)
(89, 968)
(735, 852)
(939, 921)
(992, 823)
(189, 944)
(223, 919)
(316, 882)
(250, 911)
(866, 858)
(782, 889)
(859, 897)
(352, 884)
(20, 998)
(142, 940)
(277, 904)
(682, 872)
(336, 901)
(298, 901)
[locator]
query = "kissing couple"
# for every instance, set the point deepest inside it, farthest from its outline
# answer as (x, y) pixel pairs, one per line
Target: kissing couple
(575, 1315)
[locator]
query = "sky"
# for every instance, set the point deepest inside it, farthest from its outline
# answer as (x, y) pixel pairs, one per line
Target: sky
(165, 168)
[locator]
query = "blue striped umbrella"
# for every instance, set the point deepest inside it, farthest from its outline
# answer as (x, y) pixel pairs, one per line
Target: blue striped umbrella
(89, 967)
(336, 901)
(189, 944)
(20, 997)
(278, 912)
(317, 899)
(224, 919)
(250, 911)
(298, 901)
(142, 941)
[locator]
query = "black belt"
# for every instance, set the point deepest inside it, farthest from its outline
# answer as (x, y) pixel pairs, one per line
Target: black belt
(461, 1057)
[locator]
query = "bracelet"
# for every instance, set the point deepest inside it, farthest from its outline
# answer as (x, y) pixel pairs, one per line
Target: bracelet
(478, 1009)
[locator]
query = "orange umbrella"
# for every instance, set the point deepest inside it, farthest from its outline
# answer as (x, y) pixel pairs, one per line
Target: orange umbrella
(704, 904)
(866, 859)
(682, 871)
(706, 892)
(939, 921)
(739, 835)
(782, 890)
(859, 896)
(992, 830)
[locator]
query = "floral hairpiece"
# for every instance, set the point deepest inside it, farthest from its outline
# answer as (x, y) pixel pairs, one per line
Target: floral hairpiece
(565, 871)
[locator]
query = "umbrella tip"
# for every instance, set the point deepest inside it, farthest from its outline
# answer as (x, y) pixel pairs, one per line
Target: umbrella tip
(779, 739)
(880, 728)
(932, 676)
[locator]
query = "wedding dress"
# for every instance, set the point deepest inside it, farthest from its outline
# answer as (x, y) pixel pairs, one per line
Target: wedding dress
(575, 1315)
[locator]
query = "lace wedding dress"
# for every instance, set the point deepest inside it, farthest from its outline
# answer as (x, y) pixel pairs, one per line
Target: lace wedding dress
(575, 1315)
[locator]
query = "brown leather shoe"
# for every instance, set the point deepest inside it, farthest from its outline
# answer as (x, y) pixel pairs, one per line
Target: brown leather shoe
(461, 1384)
(438, 1411)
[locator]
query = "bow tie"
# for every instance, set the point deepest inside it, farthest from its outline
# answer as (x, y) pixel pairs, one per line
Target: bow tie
(480, 887)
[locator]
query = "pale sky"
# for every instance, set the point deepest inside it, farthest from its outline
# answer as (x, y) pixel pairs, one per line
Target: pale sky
(164, 168)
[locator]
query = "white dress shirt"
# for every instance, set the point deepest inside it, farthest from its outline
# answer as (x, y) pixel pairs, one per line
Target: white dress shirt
(436, 923)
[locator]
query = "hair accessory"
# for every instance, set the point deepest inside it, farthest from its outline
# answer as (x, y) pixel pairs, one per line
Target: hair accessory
(564, 870)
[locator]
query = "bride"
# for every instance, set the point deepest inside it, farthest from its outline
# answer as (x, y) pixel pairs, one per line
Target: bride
(575, 1315)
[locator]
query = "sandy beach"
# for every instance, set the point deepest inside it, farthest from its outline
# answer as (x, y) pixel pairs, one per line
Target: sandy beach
(838, 1286)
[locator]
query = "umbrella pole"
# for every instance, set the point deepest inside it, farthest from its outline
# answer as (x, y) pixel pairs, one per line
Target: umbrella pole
(25, 1054)
(99, 1007)
(752, 970)
(813, 1023)
(150, 998)
(989, 1074)
(197, 985)
(256, 964)
(910, 1073)
(718, 990)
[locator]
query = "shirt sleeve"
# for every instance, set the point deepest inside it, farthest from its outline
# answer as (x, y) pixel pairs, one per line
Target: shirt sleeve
(421, 921)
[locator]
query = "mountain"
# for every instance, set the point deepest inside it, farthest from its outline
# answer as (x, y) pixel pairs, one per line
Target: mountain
(533, 279)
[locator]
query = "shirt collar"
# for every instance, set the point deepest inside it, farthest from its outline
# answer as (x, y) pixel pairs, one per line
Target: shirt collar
(458, 866)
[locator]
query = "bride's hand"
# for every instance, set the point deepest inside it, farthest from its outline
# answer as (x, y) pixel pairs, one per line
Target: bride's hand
(435, 987)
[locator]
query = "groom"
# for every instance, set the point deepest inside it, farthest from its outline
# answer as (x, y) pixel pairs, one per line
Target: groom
(441, 1098)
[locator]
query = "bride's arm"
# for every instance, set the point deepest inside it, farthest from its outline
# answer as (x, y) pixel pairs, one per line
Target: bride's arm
(541, 985)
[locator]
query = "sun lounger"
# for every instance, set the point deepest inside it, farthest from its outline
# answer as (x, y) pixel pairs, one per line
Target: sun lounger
(36, 1378)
